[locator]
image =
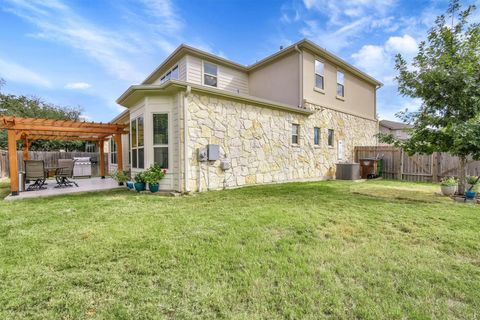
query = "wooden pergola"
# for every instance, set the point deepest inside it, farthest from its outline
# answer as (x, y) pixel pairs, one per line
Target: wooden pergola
(29, 129)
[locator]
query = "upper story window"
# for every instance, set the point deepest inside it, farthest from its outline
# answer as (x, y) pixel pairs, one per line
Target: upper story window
(137, 138)
(170, 74)
(210, 74)
(319, 74)
(295, 130)
(316, 136)
(340, 84)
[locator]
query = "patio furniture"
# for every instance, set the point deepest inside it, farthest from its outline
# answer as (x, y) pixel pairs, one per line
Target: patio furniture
(35, 171)
(64, 173)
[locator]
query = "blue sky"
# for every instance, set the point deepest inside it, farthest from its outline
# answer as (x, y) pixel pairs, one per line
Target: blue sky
(87, 52)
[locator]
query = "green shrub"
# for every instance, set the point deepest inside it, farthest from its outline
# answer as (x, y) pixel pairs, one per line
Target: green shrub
(448, 182)
(154, 174)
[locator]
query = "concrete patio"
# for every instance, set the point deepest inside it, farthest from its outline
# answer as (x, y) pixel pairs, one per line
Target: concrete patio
(84, 185)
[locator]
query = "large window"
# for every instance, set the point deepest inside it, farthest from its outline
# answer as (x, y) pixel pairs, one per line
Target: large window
(210, 73)
(316, 136)
(330, 137)
(295, 130)
(160, 139)
(138, 152)
(340, 84)
(113, 151)
(319, 75)
(170, 74)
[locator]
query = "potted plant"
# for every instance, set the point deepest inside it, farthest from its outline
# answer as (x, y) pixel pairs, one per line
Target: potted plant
(471, 188)
(153, 175)
(139, 181)
(120, 177)
(448, 186)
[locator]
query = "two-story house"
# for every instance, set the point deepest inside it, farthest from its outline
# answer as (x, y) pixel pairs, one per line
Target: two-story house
(289, 117)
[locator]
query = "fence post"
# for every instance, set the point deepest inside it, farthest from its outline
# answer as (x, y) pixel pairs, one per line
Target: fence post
(435, 167)
(400, 168)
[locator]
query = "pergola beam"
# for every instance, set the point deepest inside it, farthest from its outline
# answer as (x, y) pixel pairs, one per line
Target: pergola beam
(13, 121)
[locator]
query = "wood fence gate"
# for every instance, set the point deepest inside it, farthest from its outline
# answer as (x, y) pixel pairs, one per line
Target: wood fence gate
(51, 159)
(431, 168)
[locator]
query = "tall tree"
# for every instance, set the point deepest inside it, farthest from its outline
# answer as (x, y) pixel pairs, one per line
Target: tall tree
(34, 107)
(445, 76)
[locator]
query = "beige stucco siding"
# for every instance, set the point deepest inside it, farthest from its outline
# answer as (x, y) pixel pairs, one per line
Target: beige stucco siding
(228, 78)
(359, 95)
(277, 81)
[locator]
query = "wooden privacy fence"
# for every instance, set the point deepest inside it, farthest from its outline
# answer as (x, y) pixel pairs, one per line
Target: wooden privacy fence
(51, 159)
(431, 168)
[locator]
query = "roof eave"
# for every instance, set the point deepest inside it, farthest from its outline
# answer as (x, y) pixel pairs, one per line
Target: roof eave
(127, 99)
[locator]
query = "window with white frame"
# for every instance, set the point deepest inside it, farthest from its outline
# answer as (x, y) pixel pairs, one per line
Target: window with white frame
(113, 151)
(330, 137)
(295, 131)
(137, 138)
(319, 75)
(340, 84)
(210, 74)
(316, 136)
(160, 139)
(170, 74)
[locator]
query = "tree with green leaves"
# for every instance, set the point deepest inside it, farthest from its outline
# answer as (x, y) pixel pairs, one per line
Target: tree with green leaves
(34, 107)
(445, 76)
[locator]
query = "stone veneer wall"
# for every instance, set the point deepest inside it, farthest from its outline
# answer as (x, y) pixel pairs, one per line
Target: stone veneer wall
(257, 141)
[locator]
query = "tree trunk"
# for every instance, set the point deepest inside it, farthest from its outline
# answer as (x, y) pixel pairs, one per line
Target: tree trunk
(462, 175)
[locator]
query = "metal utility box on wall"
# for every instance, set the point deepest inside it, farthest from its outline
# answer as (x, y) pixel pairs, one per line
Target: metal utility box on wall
(213, 152)
(202, 154)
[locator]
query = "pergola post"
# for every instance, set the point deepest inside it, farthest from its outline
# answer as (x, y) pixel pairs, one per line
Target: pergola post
(12, 160)
(101, 146)
(118, 142)
(26, 147)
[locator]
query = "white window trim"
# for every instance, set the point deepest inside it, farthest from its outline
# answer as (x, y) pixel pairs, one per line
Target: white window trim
(203, 74)
(322, 90)
(169, 145)
(132, 148)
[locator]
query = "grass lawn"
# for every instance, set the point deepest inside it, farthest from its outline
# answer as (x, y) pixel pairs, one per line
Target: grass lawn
(338, 250)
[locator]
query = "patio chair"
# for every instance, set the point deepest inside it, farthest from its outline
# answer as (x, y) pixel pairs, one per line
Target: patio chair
(65, 173)
(35, 171)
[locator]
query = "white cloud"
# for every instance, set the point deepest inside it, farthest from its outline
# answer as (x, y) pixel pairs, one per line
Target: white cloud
(10, 70)
(379, 60)
(405, 45)
(77, 85)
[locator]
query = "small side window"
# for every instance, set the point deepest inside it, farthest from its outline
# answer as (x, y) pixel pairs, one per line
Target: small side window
(340, 84)
(316, 136)
(295, 130)
(330, 137)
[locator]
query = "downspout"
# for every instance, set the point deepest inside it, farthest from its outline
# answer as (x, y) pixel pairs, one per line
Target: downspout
(300, 76)
(186, 175)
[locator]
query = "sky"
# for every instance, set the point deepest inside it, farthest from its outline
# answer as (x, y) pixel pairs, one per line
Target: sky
(88, 52)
